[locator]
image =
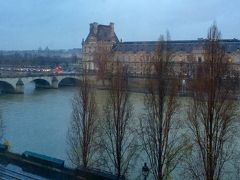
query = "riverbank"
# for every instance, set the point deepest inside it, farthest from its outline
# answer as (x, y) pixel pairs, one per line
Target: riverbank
(17, 166)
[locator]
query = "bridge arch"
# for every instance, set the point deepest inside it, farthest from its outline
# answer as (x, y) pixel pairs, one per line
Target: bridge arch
(41, 83)
(69, 81)
(6, 87)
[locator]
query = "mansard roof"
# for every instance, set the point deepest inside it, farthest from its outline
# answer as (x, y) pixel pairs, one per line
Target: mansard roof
(102, 33)
(230, 45)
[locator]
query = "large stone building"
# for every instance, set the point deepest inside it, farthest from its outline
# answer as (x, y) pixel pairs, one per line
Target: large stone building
(136, 54)
(99, 36)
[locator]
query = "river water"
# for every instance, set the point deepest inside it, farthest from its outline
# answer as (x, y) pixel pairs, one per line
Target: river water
(38, 119)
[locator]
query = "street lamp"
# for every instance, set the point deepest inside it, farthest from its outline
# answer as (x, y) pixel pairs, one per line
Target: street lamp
(145, 171)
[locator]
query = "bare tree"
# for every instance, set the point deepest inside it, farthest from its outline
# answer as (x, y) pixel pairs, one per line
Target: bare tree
(211, 116)
(83, 129)
(118, 143)
(159, 133)
(2, 127)
(102, 57)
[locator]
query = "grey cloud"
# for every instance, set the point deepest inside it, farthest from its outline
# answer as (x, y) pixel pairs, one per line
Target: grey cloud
(28, 24)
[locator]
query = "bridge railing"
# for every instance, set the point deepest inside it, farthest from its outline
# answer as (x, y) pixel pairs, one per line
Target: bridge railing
(27, 74)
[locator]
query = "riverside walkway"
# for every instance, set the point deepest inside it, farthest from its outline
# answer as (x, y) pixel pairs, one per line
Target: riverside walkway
(17, 166)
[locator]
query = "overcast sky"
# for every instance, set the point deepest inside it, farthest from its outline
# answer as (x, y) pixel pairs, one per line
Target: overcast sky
(30, 24)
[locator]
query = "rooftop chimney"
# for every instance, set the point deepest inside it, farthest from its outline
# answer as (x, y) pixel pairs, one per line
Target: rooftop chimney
(112, 29)
(93, 28)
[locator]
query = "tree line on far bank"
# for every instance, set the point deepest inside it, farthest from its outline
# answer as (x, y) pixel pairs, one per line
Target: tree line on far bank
(18, 60)
(201, 145)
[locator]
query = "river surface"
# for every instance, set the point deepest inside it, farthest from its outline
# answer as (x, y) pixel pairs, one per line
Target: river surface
(38, 119)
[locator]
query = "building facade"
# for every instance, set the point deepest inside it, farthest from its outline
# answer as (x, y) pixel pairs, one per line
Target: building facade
(136, 54)
(100, 36)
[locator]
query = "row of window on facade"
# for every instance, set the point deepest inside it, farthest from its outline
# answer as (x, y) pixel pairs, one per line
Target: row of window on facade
(136, 68)
(148, 57)
(93, 49)
(183, 70)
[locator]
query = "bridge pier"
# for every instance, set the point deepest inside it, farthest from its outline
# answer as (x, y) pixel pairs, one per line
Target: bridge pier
(19, 87)
(54, 83)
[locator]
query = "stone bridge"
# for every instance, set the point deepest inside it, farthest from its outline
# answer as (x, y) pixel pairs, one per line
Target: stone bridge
(15, 83)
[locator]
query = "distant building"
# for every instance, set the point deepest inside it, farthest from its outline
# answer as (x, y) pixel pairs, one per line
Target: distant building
(69, 59)
(135, 54)
(62, 53)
